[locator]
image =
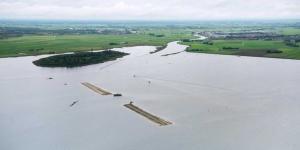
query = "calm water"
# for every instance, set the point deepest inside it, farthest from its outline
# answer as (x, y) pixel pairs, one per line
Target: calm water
(215, 102)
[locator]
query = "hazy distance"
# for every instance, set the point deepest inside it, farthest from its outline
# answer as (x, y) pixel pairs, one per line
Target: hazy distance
(150, 9)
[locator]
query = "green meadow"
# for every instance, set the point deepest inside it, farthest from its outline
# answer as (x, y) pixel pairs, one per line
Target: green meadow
(258, 48)
(48, 44)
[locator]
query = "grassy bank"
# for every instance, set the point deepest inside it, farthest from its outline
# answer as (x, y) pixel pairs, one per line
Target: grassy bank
(258, 48)
(36, 45)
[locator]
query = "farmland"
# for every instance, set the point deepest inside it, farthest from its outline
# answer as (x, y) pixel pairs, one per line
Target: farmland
(49, 44)
(259, 48)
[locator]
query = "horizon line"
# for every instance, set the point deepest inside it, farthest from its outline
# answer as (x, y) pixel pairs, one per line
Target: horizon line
(149, 20)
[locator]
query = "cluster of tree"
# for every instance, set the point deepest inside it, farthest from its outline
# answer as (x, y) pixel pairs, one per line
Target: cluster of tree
(113, 43)
(291, 43)
(194, 49)
(230, 48)
(156, 35)
(186, 40)
(7, 32)
(115, 31)
(208, 42)
(79, 59)
(37, 49)
(274, 51)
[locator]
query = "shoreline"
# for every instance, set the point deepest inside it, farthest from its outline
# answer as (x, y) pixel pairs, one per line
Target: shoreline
(178, 42)
(70, 52)
(241, 55)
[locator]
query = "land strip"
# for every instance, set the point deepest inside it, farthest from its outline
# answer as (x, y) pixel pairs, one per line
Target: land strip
(172, 53)
(96, 89)
(147, 115)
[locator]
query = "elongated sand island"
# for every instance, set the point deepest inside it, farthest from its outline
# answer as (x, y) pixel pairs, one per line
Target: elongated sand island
(147, 115)
(96, 89)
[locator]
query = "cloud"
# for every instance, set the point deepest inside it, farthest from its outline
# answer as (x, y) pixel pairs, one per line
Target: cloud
(150, 9)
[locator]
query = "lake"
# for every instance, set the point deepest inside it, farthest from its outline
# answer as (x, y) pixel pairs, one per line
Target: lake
(214, 102)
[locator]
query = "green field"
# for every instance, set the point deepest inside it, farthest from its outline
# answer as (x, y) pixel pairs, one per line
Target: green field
(35, 45)
(289, 31)
(259, 48)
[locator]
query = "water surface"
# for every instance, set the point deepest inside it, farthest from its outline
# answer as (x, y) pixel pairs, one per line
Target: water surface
(215, 102)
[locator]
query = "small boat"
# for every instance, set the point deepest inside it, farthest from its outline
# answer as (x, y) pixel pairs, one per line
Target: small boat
(117, 95)
(74, 103)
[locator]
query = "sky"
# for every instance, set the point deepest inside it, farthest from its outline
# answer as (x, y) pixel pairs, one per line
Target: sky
(150, 9)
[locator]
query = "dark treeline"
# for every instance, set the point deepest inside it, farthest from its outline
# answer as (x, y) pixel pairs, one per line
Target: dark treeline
(230, 48)
(7, 32)
(79, 59)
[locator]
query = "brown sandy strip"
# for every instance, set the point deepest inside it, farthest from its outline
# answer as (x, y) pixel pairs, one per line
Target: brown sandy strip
(172, 53)
(96, 89)
(147, 115)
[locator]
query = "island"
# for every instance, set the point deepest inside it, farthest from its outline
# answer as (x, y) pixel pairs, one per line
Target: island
(79, 59)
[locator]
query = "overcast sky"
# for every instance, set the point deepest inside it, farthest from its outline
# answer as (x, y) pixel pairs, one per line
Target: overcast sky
(150, 9)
